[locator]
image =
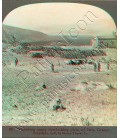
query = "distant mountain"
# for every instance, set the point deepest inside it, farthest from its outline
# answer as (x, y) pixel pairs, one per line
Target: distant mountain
(79, 40)
(23, 34)
(30, 36)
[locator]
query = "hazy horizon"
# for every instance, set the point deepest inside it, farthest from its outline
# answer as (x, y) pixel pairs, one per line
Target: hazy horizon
(42, 32)
(52, 18)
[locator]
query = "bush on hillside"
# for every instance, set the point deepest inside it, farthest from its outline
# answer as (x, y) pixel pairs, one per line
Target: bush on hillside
(36, 55)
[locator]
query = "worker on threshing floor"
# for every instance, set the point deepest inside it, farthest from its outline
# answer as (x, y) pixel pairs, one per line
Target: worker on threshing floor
(95, 67)
(108, 65)
(52, 67)
(15, 61)
(99, 67)
(107, 45)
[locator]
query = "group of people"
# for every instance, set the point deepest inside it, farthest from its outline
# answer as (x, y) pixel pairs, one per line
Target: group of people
(16, 63)
(97, 66)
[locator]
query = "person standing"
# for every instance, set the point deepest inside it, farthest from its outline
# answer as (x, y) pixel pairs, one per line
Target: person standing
(99, 67)
(95, 67)
(52, 67)
(108, 65)
(15, 61)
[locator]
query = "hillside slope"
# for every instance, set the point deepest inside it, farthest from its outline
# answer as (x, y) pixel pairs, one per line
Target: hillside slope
(24, 35)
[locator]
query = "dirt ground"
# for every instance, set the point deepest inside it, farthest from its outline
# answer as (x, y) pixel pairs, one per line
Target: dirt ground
(89, 97)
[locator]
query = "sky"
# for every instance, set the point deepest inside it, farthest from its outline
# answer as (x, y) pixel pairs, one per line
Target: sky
(65, 18)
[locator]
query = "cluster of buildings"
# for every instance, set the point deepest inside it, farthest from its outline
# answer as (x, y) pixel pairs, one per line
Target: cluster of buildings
(105, 41)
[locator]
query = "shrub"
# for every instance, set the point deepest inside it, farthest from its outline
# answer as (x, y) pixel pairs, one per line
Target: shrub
(20, 49)
(90, 61)
(43, 86)
(84, 82)
(36, 55)
(62, 52)
(86, 122)
(57, 105)
(110, 86)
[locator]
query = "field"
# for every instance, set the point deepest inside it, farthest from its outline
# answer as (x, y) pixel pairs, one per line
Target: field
(89, 97)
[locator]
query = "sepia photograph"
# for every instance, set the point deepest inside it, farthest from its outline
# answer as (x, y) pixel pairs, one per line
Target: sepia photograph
(59, 66)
